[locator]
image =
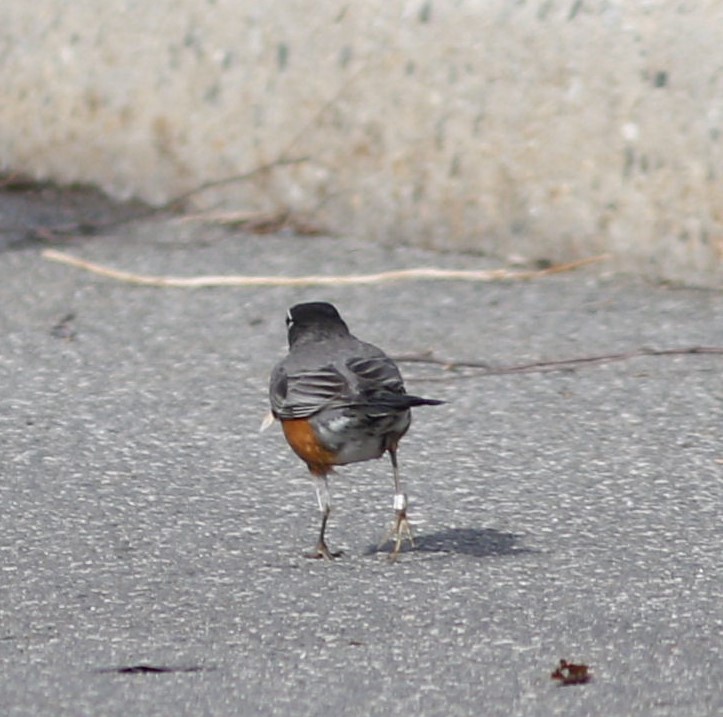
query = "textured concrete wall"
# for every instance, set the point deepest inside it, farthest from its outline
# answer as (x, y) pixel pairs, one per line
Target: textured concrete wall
(545, 129)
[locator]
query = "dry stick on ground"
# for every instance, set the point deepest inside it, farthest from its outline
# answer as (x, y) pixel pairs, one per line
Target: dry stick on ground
(196, 282)
(481, 368)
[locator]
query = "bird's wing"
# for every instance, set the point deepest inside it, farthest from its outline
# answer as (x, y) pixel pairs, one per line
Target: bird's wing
(301, 394)
(375, 374)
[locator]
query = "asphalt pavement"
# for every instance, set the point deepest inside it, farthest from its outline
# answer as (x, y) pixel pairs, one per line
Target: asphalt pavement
(151, 539)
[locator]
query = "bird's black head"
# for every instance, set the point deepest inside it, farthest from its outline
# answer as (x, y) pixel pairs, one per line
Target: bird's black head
(315, 320)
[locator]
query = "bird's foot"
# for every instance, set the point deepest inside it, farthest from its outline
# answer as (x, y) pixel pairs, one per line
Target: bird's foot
(322, 552)
(399, 532)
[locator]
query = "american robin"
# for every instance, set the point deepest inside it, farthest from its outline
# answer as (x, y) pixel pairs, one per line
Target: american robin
(340, 400)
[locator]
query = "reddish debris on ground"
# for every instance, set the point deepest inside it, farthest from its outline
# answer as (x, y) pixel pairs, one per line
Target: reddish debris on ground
(571, 674)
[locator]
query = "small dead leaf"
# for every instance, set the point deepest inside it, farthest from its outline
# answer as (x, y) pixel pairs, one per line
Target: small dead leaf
(570, 674)
(304, 227)
(260, 222)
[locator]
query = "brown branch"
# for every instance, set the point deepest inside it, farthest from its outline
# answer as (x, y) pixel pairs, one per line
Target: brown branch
(212, 184)
(482, 368)
(90, 227)
(283, 160)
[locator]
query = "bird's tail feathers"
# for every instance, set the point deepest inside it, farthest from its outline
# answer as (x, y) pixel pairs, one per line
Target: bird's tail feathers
(400, 401)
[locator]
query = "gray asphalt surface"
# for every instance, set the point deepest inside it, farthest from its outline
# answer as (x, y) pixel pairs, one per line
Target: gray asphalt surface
(146, 522)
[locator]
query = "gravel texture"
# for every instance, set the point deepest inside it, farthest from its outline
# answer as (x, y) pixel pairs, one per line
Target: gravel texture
(152, 538)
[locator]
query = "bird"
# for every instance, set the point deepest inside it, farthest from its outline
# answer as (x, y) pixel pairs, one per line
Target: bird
(340, 400)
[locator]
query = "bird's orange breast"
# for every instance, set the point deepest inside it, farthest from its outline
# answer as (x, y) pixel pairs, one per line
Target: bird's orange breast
(301, 437)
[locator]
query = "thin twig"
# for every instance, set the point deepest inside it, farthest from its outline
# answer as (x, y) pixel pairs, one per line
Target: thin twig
(90, 227)
(282, 161)
(482, 368)
(196, 282)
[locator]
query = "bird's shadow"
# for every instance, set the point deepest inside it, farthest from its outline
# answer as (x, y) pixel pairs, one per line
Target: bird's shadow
(477, 542)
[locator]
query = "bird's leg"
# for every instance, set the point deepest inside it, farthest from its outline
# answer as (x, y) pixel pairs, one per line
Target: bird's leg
(401, 529)
(322, 495)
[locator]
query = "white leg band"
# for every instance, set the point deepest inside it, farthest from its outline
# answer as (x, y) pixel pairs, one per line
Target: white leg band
(400, 501)
(322, 494)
